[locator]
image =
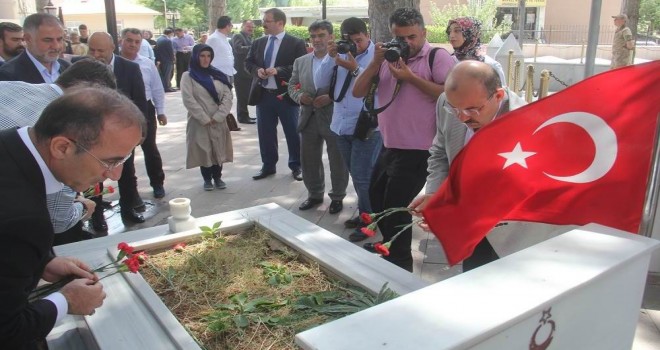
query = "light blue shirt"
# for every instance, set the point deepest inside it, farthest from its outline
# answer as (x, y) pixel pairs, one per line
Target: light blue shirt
(345, 113)
(49, 76)
(146, 50)
(272, 84)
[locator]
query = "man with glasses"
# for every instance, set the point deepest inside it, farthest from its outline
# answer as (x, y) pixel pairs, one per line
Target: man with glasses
(270, 61)
(80, 139)
(473, 98)
(22, 103)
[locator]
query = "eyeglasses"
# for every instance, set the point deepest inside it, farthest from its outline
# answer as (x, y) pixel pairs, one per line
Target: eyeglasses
(108, 166)
(470, 112)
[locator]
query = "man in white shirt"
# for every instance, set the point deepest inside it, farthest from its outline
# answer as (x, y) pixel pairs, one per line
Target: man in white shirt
(131, 39)
(223, 58)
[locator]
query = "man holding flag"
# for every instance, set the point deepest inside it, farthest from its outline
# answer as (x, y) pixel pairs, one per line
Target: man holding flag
(579, 156)
(473, 97)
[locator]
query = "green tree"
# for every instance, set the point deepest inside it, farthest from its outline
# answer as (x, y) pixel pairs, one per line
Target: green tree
(649, 17)
(483, 10)
(240, 10)
(194, 14)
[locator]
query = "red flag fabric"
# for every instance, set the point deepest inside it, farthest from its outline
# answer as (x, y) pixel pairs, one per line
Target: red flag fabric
(579, 156)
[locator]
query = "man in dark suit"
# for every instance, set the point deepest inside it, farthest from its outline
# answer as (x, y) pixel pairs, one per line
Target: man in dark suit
(40, 62)
(270, 61)
(82, 138)
(130, 83)
(164, 52)
(241, 43)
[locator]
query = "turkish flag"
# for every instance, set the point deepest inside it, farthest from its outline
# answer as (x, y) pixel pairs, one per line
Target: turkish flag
(579, 156)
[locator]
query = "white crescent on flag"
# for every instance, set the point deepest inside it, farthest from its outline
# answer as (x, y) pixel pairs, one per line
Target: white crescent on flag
(604, 139)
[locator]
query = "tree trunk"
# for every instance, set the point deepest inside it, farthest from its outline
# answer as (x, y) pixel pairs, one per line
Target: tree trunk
(40, 5)
(632, 10)
(379, 17)
(217, 8)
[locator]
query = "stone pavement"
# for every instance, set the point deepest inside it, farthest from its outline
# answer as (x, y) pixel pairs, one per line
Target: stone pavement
(242, 191)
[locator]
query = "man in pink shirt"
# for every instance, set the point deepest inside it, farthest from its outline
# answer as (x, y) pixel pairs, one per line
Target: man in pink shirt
(407, 125)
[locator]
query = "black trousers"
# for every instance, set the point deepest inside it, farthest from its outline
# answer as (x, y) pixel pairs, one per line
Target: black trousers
(211, 172)
(242, 81)
(182, 62)
(399, 175)
(152, 158)
(483, 254)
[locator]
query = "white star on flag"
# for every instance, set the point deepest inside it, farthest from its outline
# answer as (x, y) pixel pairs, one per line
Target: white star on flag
(517, 156)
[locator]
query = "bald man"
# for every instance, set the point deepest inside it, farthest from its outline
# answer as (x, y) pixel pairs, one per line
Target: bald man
(131, 84)
(473, 97)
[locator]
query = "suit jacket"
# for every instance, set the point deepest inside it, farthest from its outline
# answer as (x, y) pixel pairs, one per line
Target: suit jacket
(450, 139)
(290, 49)
(164, 50)
(240, 44)
(303, 73)
(21, 68)
(26, 238)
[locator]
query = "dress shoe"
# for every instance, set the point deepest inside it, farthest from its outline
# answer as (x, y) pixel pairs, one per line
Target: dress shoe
(335, 206)
(357, 236)
(248, 121)
(132, 216)
(310, 203)
(159, 192)
(262, 174)
(297, 174)
(170, 90)
(98, 222)
(353, 222)
(219, 184)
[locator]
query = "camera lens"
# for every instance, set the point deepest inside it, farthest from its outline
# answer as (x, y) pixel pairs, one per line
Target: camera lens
(393, 54)
(343, 47)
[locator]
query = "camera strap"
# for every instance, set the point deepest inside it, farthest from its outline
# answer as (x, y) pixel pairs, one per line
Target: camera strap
(369, 100)
(344, 88)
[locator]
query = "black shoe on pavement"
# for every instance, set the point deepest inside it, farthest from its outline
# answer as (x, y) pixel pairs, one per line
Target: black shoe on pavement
(297, 174)
(249, 121)
(353, 222)
(335, 206)
(357, 236)
(310, 203)
(262, 174)
(132, 216)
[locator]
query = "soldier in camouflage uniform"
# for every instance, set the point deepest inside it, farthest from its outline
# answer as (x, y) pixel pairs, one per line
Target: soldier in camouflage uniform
(623, 43)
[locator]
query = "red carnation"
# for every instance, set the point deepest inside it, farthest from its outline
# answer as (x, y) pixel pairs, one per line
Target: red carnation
(124, 247)
(97, 189)
(179, 247)
(366, 218)
(133, 264)
(367, 231)
(111, 189)
(141, 257)
(297, 86)
(381, 249)
(280, 97)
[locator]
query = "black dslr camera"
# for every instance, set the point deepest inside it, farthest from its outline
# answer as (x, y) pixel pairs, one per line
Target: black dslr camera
(346, 45)
(395, 49)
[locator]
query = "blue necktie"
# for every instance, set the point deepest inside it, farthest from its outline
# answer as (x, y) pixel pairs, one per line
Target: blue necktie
(269, 56)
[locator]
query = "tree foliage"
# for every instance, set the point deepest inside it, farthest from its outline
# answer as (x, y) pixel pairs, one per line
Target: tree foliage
(483, 10)
(649, 17)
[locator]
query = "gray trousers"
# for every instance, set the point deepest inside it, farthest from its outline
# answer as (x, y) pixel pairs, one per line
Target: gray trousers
(312, 137)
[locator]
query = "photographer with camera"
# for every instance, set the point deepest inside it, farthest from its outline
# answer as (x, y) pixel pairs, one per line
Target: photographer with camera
(409, 86)
(345, 60)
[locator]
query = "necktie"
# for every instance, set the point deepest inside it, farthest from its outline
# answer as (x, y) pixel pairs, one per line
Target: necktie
(269, 56)
(269, 51)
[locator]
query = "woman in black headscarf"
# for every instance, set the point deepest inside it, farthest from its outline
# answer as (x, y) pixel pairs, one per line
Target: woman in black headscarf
(207, 96)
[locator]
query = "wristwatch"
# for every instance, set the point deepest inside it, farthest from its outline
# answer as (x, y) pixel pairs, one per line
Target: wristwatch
(356, 72)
